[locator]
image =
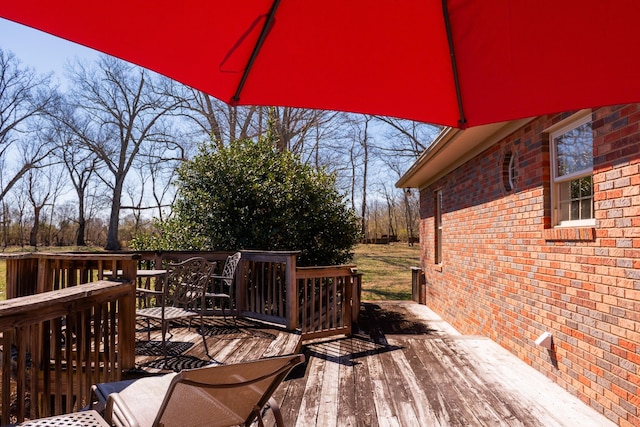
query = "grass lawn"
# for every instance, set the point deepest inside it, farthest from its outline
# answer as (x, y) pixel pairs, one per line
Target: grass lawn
(386, 270)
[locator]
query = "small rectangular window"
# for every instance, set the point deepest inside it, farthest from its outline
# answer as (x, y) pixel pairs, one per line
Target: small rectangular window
(438, 226)
(572, 173)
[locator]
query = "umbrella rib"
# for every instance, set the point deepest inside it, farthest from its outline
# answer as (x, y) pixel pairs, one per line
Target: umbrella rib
(256, 49)
(454, 67)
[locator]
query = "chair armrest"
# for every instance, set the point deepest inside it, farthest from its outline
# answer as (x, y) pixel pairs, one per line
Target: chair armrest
(117, 413)
(97, 399)
(148, 291)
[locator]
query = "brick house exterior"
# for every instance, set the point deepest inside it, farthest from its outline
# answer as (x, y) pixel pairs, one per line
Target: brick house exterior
(508, 273)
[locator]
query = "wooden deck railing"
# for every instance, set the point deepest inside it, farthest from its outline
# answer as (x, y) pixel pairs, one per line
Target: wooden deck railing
(96, 321)
(320, 301)
(264, 287)
(32, 273)
(56, 344)
(326, 300)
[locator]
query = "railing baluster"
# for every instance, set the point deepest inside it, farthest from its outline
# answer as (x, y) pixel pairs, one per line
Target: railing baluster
(21, 366)
(57, 355)
(40, 350)
(7, 339)
(70, 321)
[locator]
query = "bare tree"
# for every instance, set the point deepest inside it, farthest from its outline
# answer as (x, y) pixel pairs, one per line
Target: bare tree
(21, 210)
(156, 167)
(42, 187)
(406, 139)
(81, 166)
(26, 99)
(162, 174)
(294, 125)
(220, 122)
(361, 142)
(121, 108)
(6, 221)
(391, 206)
(411, 215)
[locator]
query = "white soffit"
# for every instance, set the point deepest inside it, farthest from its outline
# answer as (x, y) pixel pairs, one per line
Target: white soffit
(452, 148)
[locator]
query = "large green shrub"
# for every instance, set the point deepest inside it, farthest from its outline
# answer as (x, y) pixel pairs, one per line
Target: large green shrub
(251, 196)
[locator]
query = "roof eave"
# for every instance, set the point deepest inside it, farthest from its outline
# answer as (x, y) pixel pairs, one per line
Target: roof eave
(452, 148)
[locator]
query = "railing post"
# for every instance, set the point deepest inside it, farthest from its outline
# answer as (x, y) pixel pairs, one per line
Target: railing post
(127, 317)
(356, 292)
(292, 293)
(240, 289)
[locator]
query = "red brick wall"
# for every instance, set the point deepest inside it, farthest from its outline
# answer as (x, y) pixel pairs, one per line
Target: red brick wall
(507, 275)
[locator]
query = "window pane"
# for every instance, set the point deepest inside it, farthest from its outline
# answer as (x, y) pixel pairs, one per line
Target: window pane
(565, 213)
(586, 187)
(586, 208)
(575, 210)
(574, 150)
(575, 188)
(565, 191)
(576, 199)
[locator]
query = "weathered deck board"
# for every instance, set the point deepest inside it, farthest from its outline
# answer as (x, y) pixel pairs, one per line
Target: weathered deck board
(406, 367)
(421, 372)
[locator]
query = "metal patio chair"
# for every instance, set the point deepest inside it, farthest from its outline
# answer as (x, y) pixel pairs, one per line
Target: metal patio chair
(220, 286)
(181, 296)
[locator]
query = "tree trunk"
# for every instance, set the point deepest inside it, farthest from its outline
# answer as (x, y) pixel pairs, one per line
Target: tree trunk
(82, 223)
(365, 146)
(33, 235)
(113, 243)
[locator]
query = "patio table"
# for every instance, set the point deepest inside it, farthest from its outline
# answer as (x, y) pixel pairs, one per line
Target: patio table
(90, 418)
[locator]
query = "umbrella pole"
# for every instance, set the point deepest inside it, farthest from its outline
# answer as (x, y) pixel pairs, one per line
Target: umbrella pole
(256, 50)
(454, 67)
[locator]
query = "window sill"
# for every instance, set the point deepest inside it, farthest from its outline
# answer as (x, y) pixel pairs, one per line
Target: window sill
(437, 267)
(570, 234)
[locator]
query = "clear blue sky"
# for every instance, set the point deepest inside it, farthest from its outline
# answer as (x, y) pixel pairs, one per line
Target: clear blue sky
(40, 50)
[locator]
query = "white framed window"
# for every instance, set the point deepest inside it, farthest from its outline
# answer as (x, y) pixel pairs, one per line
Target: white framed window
(572, 171)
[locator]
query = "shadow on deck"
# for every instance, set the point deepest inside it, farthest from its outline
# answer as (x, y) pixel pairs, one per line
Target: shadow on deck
(226, 342)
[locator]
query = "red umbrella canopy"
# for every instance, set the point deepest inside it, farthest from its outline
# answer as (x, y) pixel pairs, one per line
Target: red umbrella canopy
(449, 62)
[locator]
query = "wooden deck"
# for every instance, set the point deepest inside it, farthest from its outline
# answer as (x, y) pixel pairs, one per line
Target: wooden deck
(226, 342)
(405, 367)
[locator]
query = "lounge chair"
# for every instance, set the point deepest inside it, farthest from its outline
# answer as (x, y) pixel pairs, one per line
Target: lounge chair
(213, 396)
